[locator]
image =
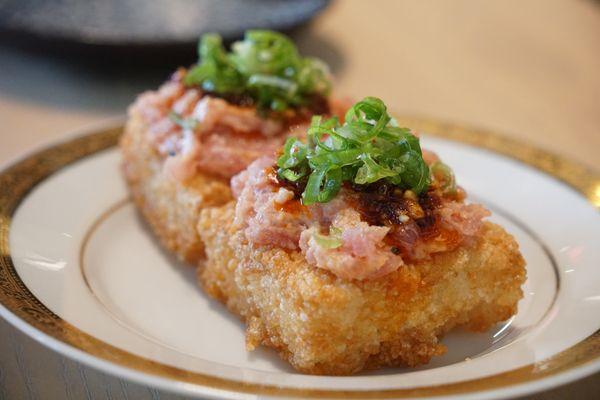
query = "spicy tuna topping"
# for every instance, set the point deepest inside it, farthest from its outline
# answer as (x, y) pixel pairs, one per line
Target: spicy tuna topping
(360, 199)
(234, 106)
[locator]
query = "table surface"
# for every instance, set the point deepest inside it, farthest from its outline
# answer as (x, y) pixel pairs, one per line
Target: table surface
(527, 69)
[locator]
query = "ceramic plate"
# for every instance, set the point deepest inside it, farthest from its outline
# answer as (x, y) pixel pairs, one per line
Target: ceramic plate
(80, 272)
(141, 23)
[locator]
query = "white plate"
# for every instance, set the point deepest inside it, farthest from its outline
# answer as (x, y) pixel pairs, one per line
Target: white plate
(81, 273)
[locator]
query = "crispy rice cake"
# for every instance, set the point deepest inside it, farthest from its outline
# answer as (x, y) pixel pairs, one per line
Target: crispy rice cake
(173, 174)
(323, 324)
(185, 140)
(372, 276)
(170, 207)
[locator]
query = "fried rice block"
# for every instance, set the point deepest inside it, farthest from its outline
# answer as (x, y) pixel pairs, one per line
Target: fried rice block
(171, 208)
(323, 324)
(173, 172)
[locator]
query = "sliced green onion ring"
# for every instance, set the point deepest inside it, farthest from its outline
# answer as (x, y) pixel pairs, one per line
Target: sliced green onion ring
(368, 147)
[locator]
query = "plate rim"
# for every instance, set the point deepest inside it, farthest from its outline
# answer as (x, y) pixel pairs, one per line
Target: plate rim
(25, 32)
(23, 310)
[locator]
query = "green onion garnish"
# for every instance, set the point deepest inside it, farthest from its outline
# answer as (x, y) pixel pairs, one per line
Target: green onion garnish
(331, 241)
(444, 175)
(184, 123)
(265, 66)
(368, 147)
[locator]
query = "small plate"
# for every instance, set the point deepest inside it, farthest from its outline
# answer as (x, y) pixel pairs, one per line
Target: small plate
(80, 272)
(141, 23)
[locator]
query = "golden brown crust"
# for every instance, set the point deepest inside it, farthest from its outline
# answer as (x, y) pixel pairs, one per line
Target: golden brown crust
(325, 325)
(319, 323)
(172, 209)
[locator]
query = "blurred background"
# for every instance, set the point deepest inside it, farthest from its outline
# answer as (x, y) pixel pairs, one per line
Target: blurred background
(529, 69)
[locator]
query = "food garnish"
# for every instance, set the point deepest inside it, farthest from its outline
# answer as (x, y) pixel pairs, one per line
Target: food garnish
(265, 67)
(444, 175)
(183, 123)
(369, 146)
(331, 241)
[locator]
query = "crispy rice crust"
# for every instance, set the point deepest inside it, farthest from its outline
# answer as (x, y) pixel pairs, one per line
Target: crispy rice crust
(172, 209)
(325, 325)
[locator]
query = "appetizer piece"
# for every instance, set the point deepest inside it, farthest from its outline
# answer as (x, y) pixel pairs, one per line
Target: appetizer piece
(183, 142)
(356, 250)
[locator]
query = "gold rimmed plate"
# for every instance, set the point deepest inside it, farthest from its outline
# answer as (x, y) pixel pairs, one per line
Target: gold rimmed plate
(80, 272)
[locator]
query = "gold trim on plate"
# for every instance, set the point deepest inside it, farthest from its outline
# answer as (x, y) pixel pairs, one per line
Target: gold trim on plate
(17, 180)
